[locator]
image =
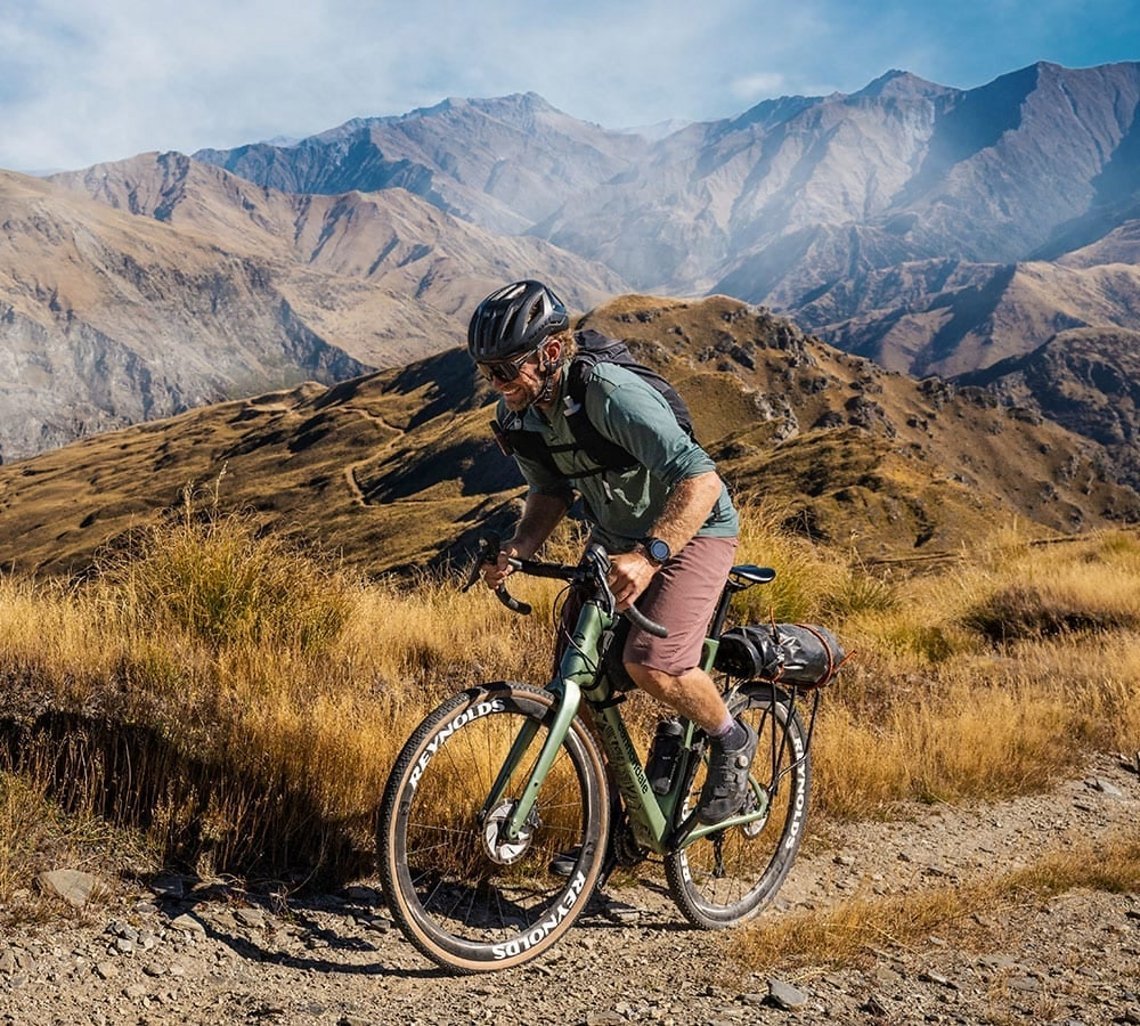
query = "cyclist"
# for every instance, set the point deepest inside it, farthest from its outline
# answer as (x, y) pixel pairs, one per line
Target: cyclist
(667, 521)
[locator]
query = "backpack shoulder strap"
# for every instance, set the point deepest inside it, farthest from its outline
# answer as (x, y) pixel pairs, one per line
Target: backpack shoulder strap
(514, 441)
(602, 450)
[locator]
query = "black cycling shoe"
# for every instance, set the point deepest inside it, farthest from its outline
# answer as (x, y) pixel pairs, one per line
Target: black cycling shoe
(726, 785)
(563, 863)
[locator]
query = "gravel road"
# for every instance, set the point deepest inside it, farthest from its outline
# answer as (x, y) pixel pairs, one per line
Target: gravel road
(182, 950)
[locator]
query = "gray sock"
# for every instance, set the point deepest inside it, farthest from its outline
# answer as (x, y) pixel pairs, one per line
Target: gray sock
(733, 738)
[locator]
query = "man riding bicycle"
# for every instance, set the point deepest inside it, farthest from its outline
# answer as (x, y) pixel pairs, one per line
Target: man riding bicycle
(666, 519)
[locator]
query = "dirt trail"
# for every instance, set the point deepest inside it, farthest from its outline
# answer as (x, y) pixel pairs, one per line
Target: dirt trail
(185, 951)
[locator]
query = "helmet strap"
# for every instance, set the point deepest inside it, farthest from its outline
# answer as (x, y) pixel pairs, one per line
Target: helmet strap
(549, 371)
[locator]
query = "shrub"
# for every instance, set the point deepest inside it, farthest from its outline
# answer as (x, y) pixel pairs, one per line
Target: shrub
(209, 573)
(1023, 610)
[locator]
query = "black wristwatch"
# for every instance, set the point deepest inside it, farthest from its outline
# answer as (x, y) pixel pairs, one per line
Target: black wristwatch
(657, 550)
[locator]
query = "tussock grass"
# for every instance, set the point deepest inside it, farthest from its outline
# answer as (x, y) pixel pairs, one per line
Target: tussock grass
(810, 581)
(238, 699)
(241, 700)
(848, 934)
(1064, 604)
(937, 705)
(38, 833)
(209, 574)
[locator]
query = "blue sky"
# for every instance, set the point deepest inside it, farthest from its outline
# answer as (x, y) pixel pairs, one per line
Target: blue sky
(82, 82)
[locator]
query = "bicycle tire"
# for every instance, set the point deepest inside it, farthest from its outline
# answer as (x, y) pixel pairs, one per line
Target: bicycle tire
(727, 878)
(444, 876)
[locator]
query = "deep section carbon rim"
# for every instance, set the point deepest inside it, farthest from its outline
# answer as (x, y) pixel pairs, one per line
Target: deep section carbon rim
(727, 877)
(465, 894)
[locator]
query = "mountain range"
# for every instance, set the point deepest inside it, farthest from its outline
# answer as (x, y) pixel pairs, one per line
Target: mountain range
(141, 289)
(931, 229)
(935, 229)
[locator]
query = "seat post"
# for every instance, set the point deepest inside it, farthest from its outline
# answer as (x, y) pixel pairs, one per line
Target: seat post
(717, 624)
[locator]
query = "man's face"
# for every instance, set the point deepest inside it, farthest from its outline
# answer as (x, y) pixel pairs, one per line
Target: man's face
(525, 387)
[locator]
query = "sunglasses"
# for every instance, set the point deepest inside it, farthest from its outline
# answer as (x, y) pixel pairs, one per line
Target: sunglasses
(505, 370)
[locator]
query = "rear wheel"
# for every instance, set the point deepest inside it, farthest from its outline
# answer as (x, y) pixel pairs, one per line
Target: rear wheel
(463, 894)
(727, 877)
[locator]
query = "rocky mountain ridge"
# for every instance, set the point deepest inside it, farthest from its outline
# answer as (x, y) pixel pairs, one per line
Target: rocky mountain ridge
(398, 469)
(796, 199)
(172, 284)
(1086, 379)
(502, 163)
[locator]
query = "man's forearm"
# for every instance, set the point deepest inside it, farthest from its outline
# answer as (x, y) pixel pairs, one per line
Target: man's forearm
(687, 508)
(540, 516)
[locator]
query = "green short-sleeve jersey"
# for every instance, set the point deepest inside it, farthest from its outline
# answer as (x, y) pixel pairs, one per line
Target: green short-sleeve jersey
(622, 505)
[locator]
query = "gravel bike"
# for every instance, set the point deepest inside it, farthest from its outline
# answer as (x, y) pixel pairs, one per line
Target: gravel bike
(510, 804)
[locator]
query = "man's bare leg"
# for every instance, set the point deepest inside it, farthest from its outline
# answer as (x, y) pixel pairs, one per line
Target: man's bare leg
(693, 694)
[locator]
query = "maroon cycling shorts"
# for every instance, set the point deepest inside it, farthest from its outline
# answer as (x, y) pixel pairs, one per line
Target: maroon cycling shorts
(682, 597)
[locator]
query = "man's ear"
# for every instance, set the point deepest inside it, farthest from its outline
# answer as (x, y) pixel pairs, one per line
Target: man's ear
(552, 350)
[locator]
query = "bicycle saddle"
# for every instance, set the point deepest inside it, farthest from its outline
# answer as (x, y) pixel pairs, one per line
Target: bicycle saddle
(747, 574)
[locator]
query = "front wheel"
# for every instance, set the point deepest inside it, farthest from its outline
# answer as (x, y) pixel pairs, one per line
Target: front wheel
(465, 896)
(726, 878)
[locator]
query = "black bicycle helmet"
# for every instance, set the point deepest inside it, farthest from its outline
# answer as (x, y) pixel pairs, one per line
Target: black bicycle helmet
(513, 319)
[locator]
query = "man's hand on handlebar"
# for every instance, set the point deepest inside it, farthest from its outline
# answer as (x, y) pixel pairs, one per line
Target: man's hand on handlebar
(495, 573)
(497, 562)
(630, 574)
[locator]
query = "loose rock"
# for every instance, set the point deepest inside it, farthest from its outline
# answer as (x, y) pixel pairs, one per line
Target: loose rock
(72, 885)
(784, 995)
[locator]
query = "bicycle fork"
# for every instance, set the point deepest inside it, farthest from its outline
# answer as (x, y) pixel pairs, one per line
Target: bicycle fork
(564, 712)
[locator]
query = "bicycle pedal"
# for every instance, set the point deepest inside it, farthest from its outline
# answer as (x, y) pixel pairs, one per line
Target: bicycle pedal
(564, 862)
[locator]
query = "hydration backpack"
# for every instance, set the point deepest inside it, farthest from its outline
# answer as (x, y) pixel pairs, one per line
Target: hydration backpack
(593, 348)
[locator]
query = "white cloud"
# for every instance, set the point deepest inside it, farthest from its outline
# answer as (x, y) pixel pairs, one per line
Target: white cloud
(757, 85)
(81, 83)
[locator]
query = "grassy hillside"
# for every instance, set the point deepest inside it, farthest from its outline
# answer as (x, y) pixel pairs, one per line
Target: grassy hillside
(397, 469)
(238, 702)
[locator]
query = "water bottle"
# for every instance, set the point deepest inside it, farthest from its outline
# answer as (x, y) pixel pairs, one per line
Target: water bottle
(663, 755)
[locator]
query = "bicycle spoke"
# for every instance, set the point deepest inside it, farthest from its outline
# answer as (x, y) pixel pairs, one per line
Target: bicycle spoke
(466, 893)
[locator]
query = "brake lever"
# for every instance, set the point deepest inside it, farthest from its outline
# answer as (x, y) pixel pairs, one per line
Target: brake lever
(490, 545)
(602, 564)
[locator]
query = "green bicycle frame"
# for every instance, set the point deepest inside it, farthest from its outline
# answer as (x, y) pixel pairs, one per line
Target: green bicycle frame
(651, 816)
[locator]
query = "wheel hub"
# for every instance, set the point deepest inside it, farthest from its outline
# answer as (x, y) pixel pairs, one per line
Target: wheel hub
(496, 844)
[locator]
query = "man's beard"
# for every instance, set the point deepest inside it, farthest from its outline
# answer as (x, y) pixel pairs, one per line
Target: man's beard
(521, 400)
(530, 392)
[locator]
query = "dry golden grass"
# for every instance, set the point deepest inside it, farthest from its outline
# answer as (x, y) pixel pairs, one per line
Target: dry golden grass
(936, 705)
(848, 934)
(36, 833)
(242, 700)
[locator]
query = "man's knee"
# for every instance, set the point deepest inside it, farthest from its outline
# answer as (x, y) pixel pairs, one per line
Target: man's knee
(650, 679)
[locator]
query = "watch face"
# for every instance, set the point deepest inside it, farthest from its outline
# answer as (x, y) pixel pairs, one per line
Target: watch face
(657, 549)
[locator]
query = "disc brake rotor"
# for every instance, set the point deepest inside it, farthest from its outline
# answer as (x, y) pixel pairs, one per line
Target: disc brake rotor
(498, 846)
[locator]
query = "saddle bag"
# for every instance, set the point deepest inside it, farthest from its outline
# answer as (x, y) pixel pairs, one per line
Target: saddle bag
(794, 653)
